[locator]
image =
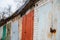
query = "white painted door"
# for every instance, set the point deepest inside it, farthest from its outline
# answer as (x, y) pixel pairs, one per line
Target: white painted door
(14, 32)
(47, 21)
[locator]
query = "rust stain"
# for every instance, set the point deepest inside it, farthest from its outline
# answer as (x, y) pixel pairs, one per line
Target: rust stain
(52, 33)
(53, 30)
(49, 35)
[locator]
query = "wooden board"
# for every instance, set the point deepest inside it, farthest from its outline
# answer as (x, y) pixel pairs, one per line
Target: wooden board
(8, 25)
(20, 28)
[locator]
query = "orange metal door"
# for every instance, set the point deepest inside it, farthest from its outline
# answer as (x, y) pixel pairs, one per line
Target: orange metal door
(27, 26)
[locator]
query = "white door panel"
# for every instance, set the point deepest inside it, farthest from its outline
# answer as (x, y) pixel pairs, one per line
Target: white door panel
(47, 21)
(15, 34)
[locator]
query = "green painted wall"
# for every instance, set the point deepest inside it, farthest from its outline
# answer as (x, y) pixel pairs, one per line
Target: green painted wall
(4, 33)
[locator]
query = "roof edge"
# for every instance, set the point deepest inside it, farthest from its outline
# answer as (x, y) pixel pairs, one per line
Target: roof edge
(21, 11)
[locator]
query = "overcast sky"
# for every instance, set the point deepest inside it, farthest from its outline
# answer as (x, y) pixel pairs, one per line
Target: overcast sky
(9, 6)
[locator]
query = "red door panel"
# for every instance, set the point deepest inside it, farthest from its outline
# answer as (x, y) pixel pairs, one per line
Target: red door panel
(27, 26)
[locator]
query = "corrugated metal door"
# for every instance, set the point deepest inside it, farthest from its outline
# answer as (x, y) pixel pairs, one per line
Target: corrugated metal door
(41, 22)
(27, 26)
(14, 31)
(47, 21)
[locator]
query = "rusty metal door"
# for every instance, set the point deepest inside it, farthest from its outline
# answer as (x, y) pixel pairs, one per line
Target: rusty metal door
(47, 21)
